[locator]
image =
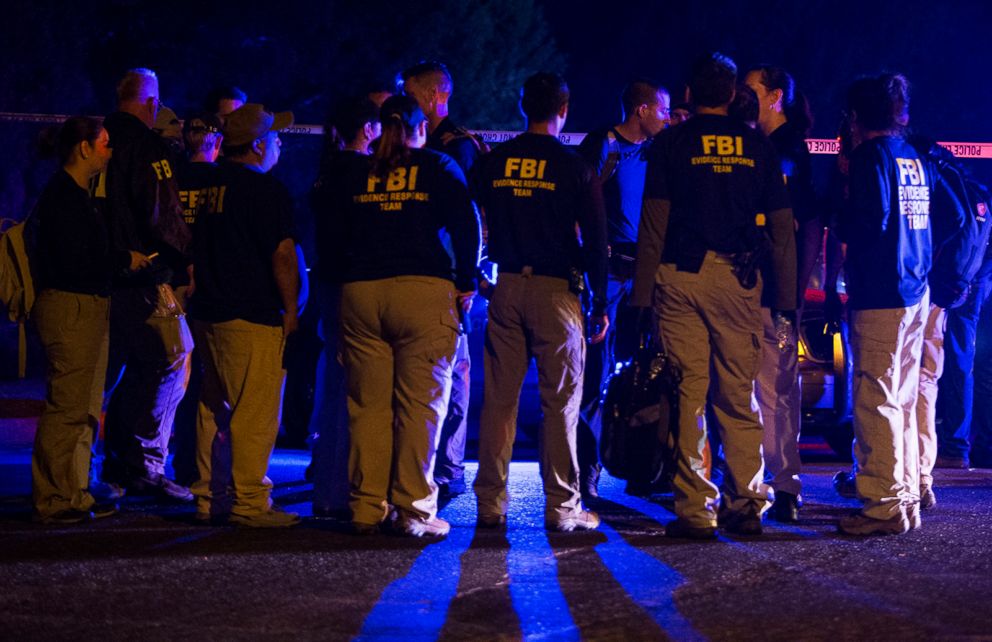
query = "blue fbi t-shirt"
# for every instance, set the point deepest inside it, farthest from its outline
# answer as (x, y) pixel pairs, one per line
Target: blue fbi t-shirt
(887, 225)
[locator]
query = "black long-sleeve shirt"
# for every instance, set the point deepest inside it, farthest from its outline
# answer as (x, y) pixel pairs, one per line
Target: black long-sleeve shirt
(448, 138)
(713, 177)
(417, 221)
(140, 199)
(533, 191)
(73, 251)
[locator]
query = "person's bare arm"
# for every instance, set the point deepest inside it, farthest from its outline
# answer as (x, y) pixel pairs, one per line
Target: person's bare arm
(287, 276)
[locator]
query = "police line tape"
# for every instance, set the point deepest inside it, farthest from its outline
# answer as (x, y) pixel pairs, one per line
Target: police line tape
(496, 136)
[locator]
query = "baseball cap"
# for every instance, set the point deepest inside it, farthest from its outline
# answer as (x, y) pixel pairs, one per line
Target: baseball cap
(167, 123)
(203, 122)
(250, 122)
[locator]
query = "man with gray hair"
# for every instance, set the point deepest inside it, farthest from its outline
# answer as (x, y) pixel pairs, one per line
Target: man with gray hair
(430, 84)
(149, 339)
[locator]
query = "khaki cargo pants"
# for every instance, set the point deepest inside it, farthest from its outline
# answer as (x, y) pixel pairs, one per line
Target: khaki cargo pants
(711, 325)
(780, 403)
(532, 316)
(398, 346)
(238, 416)
(887, 346)
(75, 332)
(931, 369)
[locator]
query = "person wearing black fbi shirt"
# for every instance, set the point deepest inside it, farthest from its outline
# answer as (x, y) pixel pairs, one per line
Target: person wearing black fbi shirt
(711, 183)
(401, 298)
(150, 340)
(430, 84)
(244, 308)
(533, 192)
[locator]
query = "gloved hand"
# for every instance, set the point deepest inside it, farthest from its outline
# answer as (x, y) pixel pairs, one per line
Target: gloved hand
(785, 329)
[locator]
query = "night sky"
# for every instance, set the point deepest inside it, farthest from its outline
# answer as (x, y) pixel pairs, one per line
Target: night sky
(304, 55)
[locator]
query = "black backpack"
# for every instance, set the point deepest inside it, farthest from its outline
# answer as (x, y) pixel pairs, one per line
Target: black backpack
(640, 417)
(957, 258)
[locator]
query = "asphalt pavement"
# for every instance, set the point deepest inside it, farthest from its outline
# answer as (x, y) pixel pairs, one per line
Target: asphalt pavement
(150, 573)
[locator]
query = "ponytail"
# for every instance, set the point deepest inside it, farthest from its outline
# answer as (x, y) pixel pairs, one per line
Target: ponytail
(795, 106)
(392, 150)
(400, 116)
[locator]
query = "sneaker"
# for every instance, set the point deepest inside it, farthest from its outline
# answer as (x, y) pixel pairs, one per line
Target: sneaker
(491, 522)
(860, 524)
(678, 529)
(161, 487)
(101, 510)
(106, 491)
(580, 520)
(927, 499)
(913, 516)
(845, 483)
(742, 523)
(272, 518)
(420, 527)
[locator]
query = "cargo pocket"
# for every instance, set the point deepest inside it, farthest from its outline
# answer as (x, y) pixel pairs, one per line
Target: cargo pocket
(445, 339)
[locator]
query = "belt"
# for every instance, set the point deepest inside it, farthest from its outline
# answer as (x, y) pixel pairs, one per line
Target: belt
(722, 257)
(528, 271)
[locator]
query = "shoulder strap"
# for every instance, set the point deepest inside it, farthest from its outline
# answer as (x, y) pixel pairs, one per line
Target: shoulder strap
(612, 156)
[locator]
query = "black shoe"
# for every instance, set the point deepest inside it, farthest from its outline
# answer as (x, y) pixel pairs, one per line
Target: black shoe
(678, 529)
(364, 530)
(786, 508)
(491, 522)
(160, 487)
(65, 517)
(743, 523)
(845, 483)
(452, 488)
(101, 510)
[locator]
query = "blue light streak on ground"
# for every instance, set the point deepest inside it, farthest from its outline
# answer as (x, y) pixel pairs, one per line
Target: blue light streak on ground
(534, 588)
(422, 597)
(649, 582)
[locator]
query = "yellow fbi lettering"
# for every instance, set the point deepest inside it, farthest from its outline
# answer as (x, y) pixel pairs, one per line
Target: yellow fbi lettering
(398, 187)
(162, 169)
(723, 145)
(209, 200)
(524, 168)
(399, 179)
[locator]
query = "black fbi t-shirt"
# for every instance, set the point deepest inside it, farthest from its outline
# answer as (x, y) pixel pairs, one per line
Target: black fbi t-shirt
(233, 245)
(719, 175)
